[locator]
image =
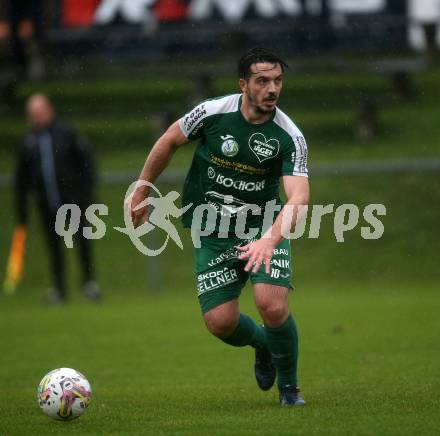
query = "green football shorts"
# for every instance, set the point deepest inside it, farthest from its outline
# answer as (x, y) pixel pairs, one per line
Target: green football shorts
(221, 275)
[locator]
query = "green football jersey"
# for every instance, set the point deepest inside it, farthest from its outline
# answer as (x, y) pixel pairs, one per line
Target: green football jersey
(237, 163)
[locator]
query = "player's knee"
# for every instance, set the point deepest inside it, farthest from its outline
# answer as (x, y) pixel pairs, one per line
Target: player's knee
(221, 323)
(274, 313)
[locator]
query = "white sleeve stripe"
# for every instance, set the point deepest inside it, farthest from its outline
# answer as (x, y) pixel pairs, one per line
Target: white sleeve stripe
(299, 156)
(189, 122)
(182, 128)
(300, 163)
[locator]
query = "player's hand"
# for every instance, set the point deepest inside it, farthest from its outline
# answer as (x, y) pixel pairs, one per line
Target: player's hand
(257, 253)
(136, 205)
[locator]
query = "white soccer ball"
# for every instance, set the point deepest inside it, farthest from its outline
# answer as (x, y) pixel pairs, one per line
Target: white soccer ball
(64, 394)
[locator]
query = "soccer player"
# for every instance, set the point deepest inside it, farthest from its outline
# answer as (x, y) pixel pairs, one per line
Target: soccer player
(246, 145)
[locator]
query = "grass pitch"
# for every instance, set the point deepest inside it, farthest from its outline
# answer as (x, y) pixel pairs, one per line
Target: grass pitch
(368, 365)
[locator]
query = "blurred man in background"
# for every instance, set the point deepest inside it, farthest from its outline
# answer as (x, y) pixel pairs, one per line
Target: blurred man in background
(56, 162)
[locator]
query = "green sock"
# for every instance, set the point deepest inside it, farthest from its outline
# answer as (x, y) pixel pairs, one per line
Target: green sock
(283, 344)
(247, 332)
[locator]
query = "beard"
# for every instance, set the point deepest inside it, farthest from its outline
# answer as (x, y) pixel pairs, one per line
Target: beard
(258, 108)
(262, 110)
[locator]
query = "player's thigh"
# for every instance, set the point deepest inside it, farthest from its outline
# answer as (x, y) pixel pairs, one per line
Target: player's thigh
(280, 271)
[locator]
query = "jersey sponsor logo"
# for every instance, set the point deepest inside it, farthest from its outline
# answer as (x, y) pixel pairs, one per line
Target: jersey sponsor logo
(229, 146)
(230, 253)
(193, 117)
(300, 142)
(238, 166)
(197, 128)
(211, 173)
(281, 263)
(215, 279)
(262, 148)
(282, 251)
(299, 156)
(239, 185)
(225, 204)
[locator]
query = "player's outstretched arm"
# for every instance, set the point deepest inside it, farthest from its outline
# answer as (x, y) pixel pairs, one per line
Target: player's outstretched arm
(157, 160)
(261, 251)
(298, 193)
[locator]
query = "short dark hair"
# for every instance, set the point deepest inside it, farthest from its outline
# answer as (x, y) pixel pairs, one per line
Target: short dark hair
(257, 55)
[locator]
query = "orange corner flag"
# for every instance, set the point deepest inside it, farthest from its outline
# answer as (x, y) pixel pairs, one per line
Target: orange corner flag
(14, 269)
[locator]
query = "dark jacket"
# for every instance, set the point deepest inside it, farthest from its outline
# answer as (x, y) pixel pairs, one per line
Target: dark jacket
(57, 163)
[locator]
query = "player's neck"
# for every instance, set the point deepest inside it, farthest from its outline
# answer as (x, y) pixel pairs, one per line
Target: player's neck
(251, 113)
